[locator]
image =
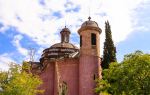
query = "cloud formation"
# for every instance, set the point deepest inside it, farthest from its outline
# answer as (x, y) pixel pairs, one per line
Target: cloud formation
(16, 43)
(5, 61)
(40, 20)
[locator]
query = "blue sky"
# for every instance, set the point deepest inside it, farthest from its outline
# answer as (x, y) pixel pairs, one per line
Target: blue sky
(26, 24)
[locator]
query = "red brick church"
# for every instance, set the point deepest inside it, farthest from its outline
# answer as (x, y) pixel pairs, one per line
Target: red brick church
(67, 70)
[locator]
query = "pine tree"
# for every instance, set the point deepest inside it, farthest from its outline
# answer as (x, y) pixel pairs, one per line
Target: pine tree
(109, 53)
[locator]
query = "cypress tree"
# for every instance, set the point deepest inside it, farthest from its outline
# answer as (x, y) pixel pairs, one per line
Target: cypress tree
(109, 53)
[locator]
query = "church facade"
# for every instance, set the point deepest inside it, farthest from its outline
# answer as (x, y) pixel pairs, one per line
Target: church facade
(67, 70)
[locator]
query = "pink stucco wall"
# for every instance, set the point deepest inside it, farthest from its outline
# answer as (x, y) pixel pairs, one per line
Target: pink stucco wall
(88, 69)
(48, 79)
(68, 70)
(77, 73)
(69, 73)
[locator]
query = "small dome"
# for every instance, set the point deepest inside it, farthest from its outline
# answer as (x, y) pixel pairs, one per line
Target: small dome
(89, 23)
(64, 45)
(65, 30)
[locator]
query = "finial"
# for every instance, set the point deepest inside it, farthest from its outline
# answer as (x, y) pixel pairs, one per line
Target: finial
(89, 18)
(65, 23)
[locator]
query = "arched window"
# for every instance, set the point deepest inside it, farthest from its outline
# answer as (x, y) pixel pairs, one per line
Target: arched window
(93, 39)
(80, 41)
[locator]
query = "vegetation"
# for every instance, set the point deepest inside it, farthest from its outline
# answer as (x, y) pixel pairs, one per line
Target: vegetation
(130, 77)
(17, 81)
(63, 88)
(109, 53)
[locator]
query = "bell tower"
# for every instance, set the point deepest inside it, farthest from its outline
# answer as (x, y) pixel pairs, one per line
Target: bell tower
(90, 61)
(90, 38)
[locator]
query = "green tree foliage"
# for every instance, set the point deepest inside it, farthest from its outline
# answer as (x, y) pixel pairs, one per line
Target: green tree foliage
(19, 82)
(26, 66)
(130, 77)
(109, 53)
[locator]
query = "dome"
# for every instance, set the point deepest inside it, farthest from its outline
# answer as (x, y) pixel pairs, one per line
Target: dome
(59, 50)
(64, 45)
(65, 30)
(62, 49)
(89, 23)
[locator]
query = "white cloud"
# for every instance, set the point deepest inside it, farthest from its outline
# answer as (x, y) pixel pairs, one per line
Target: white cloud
(3, 29)
(26, 16)
(5, 61)
(16, 43)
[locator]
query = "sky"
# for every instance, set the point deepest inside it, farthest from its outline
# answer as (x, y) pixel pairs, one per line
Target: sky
(27, 24)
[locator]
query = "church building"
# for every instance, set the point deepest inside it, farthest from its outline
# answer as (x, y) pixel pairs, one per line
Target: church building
(68, 70)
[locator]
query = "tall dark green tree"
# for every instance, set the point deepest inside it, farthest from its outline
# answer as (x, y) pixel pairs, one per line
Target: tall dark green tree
(109, 53)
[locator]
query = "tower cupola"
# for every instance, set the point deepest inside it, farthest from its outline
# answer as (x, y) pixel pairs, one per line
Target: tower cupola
(89, 24)
(65, 35)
